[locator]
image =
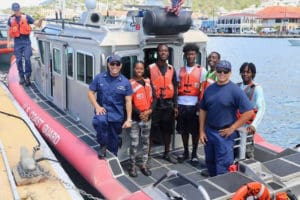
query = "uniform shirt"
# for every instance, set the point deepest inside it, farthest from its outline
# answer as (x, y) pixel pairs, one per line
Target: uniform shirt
(190, 100)
(222, 102)
(111, 92)
(258, 102)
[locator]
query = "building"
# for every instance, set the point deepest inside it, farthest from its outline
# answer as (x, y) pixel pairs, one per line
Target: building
(283, 18)
(236, 23)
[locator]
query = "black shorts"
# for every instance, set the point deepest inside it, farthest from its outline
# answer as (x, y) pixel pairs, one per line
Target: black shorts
(163, 121)
(187, 120)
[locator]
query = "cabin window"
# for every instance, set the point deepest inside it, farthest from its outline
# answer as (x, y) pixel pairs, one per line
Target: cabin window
(57, 60)
(198, 59)
(85, 66)
(127, 65)
(70, 52)
(41, 45)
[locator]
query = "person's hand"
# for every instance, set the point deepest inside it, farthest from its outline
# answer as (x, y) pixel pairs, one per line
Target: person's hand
(127, 123)
(226, 132)
(203, 138)
(251, 129)
(9, 44)
(40, 21)
(100, 110)
(176, 112)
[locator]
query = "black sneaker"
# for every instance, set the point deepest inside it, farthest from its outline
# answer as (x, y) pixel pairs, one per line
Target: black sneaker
(205, 173)
(181, 158)
(132, 172)
(146, 171)
(169, 158)
(21, 80)
(195, 161)
(102, 153)
(27, 82)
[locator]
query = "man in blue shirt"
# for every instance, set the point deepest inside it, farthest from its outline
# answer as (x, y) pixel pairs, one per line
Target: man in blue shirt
(113, 92)
(218, 120)
(19, 29)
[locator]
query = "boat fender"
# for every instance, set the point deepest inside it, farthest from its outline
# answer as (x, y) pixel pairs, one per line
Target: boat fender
(255, 189)
(159, 22)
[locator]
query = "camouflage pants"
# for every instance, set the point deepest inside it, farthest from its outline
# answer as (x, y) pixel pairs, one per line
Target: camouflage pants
(137, 129)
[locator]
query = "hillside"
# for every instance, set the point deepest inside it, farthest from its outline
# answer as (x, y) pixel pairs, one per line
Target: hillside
(209, 7)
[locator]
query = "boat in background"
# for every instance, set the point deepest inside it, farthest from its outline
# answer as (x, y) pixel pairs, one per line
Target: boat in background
(5, 53)
(294, 42)
(71, 53)
(29, 169)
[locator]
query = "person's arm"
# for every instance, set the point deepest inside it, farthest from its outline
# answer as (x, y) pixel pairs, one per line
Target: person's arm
(202, 120)
(38, 23)
(246, 116)
(128, 107)
(9, 40)
(175, 97)
(98, 109)
(261, 107)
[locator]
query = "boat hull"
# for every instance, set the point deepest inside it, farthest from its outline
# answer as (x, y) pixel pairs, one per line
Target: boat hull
(83, 158)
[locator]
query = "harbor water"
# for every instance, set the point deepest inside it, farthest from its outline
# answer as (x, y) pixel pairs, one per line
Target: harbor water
(278, 71)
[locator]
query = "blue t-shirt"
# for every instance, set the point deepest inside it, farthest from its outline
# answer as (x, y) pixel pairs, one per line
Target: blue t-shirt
(111, 92)
(222, 102)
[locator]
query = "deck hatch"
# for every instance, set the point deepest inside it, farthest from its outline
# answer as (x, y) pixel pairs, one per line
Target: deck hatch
(236, 180)
(286, 170)
(212, 191)
(115, 167)
(293, 158)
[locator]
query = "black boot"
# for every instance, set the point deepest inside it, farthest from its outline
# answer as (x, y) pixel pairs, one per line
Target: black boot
(21, 80)
(102, 152)
(27, 81)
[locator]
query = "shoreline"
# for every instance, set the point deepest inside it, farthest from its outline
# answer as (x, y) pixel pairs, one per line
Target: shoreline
(251, 35)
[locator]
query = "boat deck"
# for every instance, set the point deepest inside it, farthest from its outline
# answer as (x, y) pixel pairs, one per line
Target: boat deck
(219, 187)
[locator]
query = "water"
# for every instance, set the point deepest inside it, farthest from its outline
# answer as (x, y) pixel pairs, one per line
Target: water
(278, 71)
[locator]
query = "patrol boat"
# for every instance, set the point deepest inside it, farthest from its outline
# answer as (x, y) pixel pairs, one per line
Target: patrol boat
(29, 169)
(72, 53)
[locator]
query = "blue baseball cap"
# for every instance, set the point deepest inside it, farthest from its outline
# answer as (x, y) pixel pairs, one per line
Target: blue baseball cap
(224, 64)
(15, 6)
(114, 58)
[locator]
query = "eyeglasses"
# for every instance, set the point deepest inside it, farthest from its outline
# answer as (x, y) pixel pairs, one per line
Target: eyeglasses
(225, 71)
(115, 64)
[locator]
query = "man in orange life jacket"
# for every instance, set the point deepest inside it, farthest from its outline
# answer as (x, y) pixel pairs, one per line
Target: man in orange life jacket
(256, 97)
(19, 30)
(163, 77)
(189, 78)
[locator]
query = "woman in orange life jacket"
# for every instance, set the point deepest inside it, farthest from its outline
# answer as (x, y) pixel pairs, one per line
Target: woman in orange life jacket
(189, 79)
(19, 29)
(256, 97)
(143, 102)
(210, 77)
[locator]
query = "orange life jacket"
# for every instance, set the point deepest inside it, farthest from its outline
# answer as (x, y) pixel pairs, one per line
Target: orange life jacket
(189, 84)
(16, 29)
(204, 86)
(142, 95)
(163, 85)
(249, 90)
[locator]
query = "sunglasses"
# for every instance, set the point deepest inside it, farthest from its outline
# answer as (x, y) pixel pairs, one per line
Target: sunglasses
(115, 64)
(225, 71)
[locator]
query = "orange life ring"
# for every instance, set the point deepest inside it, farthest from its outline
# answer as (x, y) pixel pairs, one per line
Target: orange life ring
(256, 189)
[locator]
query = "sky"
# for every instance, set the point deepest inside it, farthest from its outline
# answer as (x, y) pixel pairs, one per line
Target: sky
(23, 3)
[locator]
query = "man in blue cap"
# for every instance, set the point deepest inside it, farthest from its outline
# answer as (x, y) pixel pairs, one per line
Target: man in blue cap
(218, 119)
(113, 92)
(19, 29)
